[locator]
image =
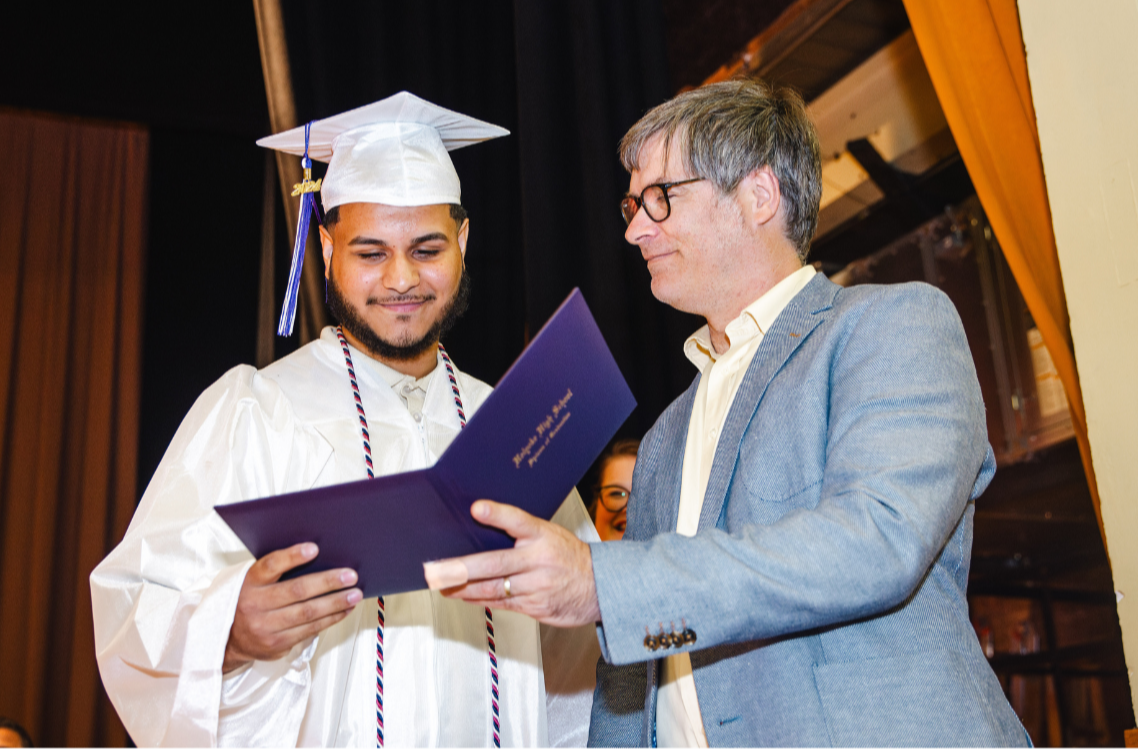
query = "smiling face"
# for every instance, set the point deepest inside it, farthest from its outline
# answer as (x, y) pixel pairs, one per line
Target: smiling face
(715, 253)
(395, 279)
(616, 477)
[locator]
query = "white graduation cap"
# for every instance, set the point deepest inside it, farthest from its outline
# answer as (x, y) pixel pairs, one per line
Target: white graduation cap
(392, 152)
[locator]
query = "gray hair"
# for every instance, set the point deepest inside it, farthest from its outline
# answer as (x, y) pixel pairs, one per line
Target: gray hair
(727, 130)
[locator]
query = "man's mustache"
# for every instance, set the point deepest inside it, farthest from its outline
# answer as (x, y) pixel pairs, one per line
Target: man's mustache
(409, 299)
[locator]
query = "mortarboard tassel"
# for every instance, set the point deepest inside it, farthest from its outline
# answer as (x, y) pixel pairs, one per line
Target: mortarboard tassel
(305, 189)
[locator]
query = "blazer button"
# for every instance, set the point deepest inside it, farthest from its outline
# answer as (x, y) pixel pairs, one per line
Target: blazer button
(677, 639)
(689, 636)
(651, 643)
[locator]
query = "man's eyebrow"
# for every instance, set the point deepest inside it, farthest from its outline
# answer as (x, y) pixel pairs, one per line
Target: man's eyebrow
(369, 241)
(435, 236)
(659, 181)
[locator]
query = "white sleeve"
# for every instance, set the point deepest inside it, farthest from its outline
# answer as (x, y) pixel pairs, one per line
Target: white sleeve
(164, 599)
(569, 656)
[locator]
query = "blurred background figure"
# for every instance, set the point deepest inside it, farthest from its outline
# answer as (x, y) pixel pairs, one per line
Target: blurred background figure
(609, 507)
(13, 734)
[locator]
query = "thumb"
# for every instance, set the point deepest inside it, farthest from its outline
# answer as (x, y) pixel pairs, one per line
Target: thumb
(269, 568)
(515, 521)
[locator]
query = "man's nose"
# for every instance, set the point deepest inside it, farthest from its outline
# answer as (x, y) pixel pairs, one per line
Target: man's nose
(401, 274)
(640, 228)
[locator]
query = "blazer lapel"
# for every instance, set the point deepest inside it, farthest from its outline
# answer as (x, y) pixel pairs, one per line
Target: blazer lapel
(670, 465)
(805, 312)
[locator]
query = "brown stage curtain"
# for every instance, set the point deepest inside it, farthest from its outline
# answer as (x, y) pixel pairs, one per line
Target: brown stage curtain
(974, 53)
(72, 218)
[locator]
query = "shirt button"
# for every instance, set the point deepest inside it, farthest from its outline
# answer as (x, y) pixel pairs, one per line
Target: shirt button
(418, 417)
(406, 389)
(711, 433)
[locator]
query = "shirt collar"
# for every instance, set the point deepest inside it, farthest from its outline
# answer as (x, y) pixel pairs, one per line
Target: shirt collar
(754, 321)
(393, 378)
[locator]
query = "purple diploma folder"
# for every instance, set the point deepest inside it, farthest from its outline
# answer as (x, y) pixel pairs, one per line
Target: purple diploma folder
(549, 417)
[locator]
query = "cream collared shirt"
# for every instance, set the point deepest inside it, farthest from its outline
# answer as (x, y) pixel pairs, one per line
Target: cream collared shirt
(678, 719)
(412, 390)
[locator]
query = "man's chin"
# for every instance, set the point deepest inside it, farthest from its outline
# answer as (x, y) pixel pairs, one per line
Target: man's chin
(665, 291)
(406, 342)
(403, 346)
(400, 329)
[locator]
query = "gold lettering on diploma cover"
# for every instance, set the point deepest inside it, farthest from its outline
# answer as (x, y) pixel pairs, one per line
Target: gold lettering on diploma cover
(546, 430)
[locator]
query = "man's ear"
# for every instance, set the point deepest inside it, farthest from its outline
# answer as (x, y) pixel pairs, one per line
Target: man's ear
(463, 236)
(326, 248)
(760, 197)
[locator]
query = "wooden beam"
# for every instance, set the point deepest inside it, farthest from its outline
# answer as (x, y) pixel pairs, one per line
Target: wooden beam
(266, 304)
(282, 116)
(795, 25)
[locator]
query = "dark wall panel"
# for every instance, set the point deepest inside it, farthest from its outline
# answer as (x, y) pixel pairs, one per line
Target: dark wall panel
(586, 72)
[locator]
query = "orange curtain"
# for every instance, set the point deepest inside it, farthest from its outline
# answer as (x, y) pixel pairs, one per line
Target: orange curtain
(974, 54)
(72, 216)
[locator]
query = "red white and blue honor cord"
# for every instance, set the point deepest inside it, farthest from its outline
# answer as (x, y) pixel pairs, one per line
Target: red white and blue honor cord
(495, 716)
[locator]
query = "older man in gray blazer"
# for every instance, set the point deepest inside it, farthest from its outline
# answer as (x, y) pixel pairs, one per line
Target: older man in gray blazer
(800, 529)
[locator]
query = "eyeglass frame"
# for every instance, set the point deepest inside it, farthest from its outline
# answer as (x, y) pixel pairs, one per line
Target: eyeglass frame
(638, 200)
(601, 496)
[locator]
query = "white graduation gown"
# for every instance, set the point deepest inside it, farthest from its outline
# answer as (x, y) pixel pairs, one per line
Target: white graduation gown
(164, 599)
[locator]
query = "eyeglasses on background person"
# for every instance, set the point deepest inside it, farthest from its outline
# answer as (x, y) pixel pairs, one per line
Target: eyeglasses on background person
(614, 497)
(614, 483)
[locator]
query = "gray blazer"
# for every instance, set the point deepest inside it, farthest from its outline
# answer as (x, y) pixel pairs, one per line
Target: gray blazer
(825, 588)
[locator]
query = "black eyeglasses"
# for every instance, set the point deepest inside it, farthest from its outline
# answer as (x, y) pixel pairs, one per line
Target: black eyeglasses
(653, 199)
(614, 497)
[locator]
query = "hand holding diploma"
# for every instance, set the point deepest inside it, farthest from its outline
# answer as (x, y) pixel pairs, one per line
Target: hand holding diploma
(548, 575)
(273, 616)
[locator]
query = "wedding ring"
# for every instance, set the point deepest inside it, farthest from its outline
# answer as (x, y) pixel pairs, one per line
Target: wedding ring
(506, 586)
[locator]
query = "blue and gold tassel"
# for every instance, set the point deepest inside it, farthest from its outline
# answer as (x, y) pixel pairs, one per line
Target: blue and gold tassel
(307, 190)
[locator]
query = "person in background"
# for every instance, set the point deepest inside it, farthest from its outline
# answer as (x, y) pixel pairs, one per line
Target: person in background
(609, 508)
(13, 734)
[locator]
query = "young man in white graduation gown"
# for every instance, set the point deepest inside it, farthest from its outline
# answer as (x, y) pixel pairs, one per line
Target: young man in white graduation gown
(200, 644)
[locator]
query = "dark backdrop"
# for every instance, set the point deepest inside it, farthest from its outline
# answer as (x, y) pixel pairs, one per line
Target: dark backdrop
(587, 71)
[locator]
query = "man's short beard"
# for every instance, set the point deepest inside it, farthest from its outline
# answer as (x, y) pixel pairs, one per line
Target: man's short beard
(353, 322)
